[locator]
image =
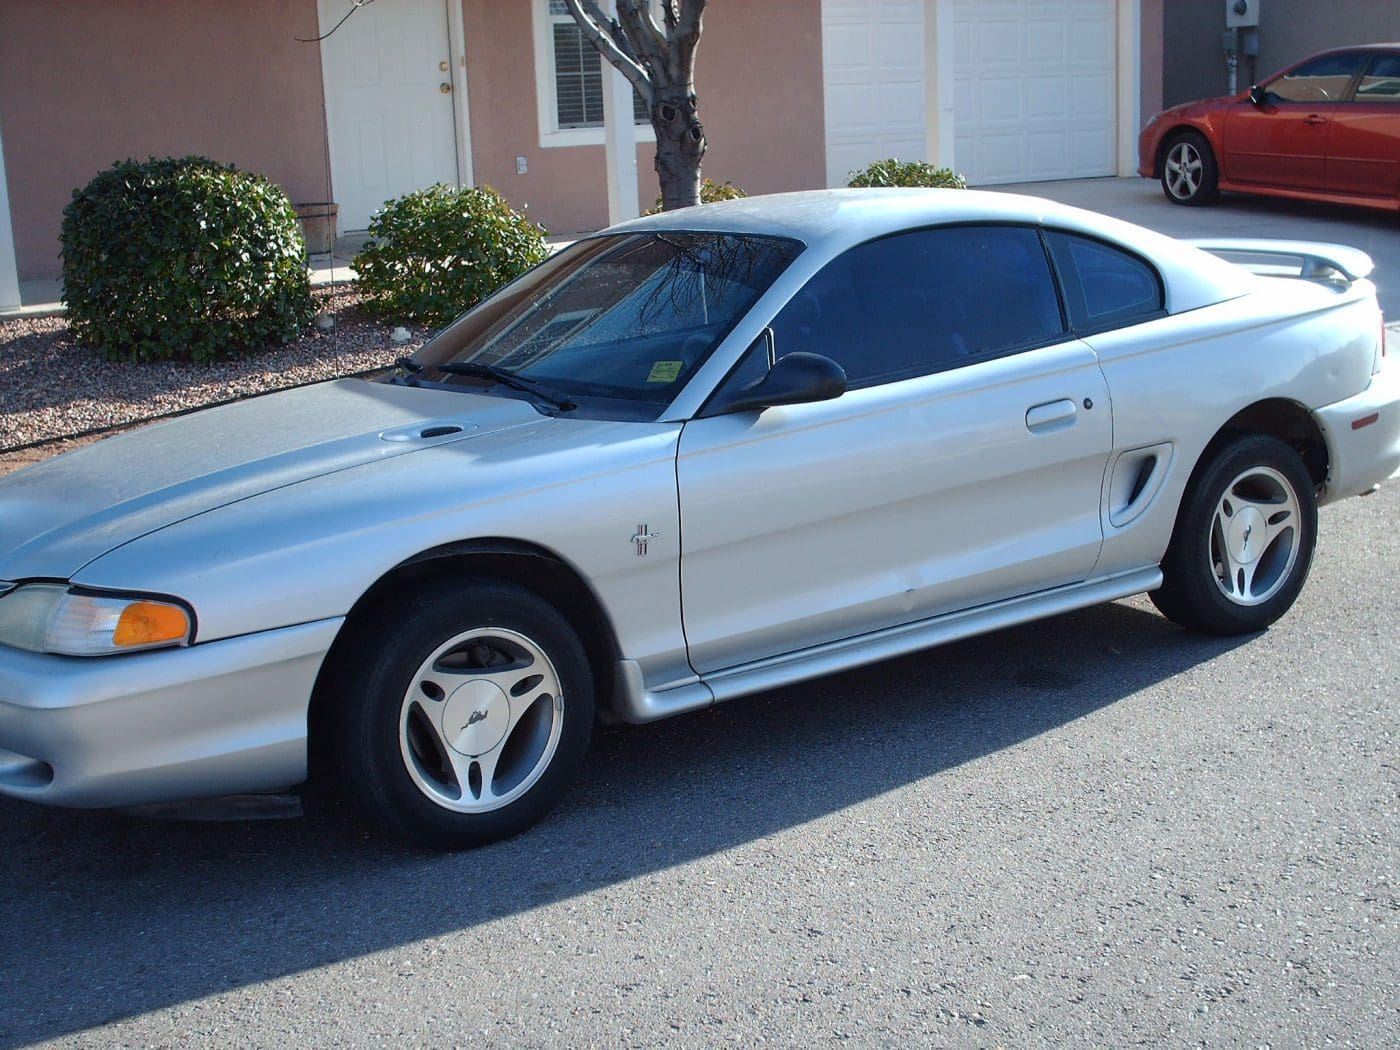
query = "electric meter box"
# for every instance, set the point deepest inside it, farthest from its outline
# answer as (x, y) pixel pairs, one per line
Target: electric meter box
(1240, 13)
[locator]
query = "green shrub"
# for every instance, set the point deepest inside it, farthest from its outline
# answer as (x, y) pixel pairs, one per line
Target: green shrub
(439, 251)
(710, 192)
(183, 258)
(893, 172)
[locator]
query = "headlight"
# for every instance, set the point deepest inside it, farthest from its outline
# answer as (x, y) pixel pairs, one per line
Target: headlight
(49, 618)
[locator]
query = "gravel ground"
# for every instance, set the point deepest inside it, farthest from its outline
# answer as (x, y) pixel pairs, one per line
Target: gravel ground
(51, 388)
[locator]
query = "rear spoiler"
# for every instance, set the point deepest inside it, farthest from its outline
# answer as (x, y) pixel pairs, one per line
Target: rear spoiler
(1310, 260)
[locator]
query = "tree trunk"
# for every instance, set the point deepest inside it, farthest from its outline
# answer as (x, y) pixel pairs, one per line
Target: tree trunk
(680, 147)
(661, 66)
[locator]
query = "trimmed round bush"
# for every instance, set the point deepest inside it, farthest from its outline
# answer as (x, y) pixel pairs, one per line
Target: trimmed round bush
(183, 258)
(437, 252)
(710, 192)
(893, 172)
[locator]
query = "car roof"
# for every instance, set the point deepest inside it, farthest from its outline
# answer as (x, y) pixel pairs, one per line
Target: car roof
(830, 221)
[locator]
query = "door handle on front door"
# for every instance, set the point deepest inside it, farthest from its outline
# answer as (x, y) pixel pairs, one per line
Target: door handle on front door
(1053, 415)
(1315, 119)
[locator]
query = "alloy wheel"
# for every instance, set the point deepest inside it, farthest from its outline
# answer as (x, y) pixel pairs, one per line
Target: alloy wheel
(1184, 170)
(481, 720)
(1255, 539)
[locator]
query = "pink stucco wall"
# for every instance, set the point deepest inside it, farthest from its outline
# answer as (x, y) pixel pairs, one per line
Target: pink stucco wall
(86, 84)
(762, 109)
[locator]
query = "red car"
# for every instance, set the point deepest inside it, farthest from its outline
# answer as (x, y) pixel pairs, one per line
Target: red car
(1326, 129)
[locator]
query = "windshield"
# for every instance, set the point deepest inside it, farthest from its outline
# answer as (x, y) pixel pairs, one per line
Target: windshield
(612, 327)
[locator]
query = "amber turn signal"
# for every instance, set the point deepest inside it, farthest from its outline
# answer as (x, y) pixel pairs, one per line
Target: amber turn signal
(148, 623)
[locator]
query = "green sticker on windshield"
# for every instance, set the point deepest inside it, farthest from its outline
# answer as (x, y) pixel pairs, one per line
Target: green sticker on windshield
(664, 372)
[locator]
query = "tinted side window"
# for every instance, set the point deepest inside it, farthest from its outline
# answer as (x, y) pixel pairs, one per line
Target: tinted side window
(1382, 81)
(1321, 80)
(924, 301)
(1105, 287)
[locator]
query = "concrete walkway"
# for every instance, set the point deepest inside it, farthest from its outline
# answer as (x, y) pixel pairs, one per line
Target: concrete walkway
(45, 298)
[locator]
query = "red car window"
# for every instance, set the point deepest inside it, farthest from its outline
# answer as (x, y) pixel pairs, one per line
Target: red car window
(1382, 81)
(1323, 79)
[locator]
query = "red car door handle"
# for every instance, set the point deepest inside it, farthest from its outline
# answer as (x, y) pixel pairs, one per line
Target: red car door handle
(1314, 118)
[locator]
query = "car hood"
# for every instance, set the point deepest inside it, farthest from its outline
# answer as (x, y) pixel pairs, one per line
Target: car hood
(61, 514)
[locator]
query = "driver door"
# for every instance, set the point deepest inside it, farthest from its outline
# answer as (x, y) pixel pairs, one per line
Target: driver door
(1283, 141)
(963, 464)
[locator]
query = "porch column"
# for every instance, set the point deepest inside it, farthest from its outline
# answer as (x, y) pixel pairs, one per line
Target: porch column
(938, 82)
(9, 271)
(1129, 83)
(620, 141)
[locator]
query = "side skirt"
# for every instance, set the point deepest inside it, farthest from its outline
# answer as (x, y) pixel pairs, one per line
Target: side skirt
(633, 702)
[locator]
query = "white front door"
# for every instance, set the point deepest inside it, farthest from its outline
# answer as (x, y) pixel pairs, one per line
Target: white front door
(389, 102)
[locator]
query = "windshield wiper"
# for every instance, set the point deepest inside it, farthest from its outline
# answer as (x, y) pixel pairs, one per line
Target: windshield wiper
(506, 378)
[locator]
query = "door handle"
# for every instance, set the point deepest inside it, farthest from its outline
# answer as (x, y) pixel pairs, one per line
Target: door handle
(1053, 415)
(1315, 119)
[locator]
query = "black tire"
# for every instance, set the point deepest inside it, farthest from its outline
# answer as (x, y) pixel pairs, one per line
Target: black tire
(391, 761)
(1243, 486)
(1190, 174)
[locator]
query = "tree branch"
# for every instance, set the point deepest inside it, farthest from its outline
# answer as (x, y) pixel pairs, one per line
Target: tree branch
(686, 37)
(646, 35)
(590, 22)
(317, 39)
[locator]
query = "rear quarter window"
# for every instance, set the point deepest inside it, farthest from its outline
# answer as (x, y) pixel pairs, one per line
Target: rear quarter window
(1105, 286)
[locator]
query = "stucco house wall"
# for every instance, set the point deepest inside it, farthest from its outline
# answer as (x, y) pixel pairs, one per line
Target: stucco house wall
(85, 84)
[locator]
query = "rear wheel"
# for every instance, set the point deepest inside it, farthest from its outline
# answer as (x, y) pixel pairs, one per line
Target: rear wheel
(1243, 541)
(462, 714)
(1189, 171)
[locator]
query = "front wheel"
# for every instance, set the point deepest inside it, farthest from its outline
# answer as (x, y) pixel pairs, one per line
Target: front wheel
(461, 714)
(1243, 541)
(1189, 171)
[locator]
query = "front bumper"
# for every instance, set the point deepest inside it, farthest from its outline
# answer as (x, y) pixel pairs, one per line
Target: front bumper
(1361, 457)
(221, 718)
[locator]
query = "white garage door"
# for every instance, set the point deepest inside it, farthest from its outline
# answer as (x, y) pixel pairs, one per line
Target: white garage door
(873, 62)
(1034, 89)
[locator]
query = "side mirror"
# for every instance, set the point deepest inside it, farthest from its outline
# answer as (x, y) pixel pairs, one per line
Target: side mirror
(1256, 94)
(795, 380)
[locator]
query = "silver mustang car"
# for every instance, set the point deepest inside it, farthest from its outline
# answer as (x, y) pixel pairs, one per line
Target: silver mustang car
(694, 456)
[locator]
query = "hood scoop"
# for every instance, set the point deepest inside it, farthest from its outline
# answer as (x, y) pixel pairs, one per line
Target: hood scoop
(427, 432)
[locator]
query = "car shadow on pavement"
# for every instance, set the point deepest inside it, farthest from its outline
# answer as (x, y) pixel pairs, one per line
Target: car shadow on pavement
(108, 916)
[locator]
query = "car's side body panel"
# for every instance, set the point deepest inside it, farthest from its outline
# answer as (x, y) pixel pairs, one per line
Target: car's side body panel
(1276, 144)
(1363, 154)
(893, 503)
(578, 489)
(1176, 381)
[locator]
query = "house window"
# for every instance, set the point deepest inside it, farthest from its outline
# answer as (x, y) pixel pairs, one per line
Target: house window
(569, 82)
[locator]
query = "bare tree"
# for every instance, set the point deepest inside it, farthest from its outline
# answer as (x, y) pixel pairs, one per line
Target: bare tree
(659, 60)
